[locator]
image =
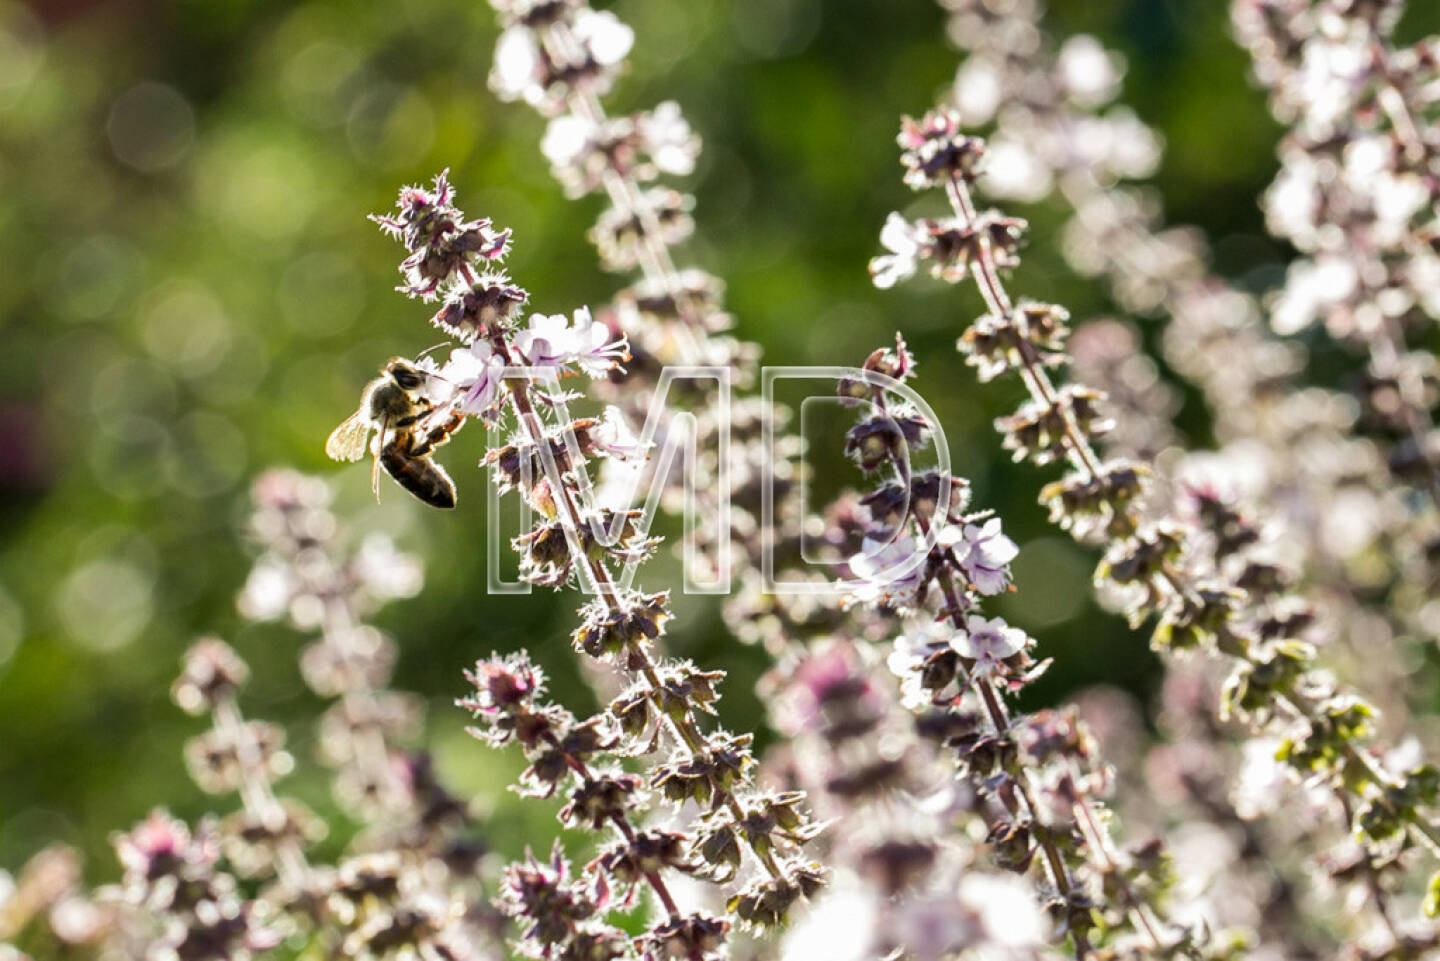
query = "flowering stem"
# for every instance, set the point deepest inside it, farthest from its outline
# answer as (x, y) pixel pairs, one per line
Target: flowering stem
(625, 194)
(999, 716)
(627, 831)
(256, 795)
(372, 754)
(992, 289)
(684, 727)
(1040, 386)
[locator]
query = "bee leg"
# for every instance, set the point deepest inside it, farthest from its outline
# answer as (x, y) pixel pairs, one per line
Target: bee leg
(418, 411)
(375, 460)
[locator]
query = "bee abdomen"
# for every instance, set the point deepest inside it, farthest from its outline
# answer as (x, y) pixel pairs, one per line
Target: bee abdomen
(422, 477)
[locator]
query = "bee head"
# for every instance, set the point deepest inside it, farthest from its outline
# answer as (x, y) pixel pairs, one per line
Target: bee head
(405, 374)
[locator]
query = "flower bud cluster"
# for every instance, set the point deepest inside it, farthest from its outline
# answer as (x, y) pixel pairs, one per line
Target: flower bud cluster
(903, 883)
(1357, 194)
(669, 314)
(198, 908)
(416, 885)
(309, 573)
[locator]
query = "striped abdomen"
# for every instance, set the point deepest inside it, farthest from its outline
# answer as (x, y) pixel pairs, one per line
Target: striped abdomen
(420, 476)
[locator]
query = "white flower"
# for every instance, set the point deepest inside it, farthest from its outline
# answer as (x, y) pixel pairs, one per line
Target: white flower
(386, 571)
(842, 927)
(910, 652)
(1014, 172)
(1292, 201)
(984, 554)
(614, 436)
(1261, 787)
(267, 592)
(902, 239)
(518, 67)
(1089, 72)
(978, 90)
(566, 139)
(603, 34)
(987, 641)
(669, 141)
(551, 341)
(890, 571)
(1134, 147)
(474, 378)
(1312, 289)
(593, 350)
(1006, 907)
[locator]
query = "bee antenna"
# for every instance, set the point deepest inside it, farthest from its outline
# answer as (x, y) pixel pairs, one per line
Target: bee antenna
(433, 347)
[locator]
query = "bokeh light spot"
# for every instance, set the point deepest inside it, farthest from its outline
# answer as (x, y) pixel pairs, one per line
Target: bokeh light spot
(105, 604)
(184, 325)
(391, 126)
(12, 626)
(151, 127)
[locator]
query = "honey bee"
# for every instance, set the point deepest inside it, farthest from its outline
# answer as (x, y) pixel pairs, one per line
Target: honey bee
(409, 427)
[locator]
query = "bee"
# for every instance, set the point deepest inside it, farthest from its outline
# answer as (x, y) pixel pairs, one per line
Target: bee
(409, 427)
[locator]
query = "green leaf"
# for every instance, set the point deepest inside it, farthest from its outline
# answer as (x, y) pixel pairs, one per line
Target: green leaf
(1432, 896)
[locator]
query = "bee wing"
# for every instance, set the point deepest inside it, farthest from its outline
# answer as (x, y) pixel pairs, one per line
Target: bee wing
(375, 464)
(347, 442)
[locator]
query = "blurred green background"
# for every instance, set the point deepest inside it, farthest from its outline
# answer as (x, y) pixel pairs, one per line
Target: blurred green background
(189, 294)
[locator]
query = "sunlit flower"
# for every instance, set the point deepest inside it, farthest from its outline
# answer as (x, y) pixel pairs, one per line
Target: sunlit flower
(551, 341)
(474, 375)
(668, 139)
(890, 571)
(903, 239)
(984, 554)
(988, 640)
(614, 437)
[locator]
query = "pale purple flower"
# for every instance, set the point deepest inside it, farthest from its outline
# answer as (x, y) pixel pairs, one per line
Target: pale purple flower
(931, 927)
(984, 553)
(614, 436)
(546, 342)
(551, 341)
(988, 640)
(594, 350)
(903, 239)
(474, 376)
(889, 571)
